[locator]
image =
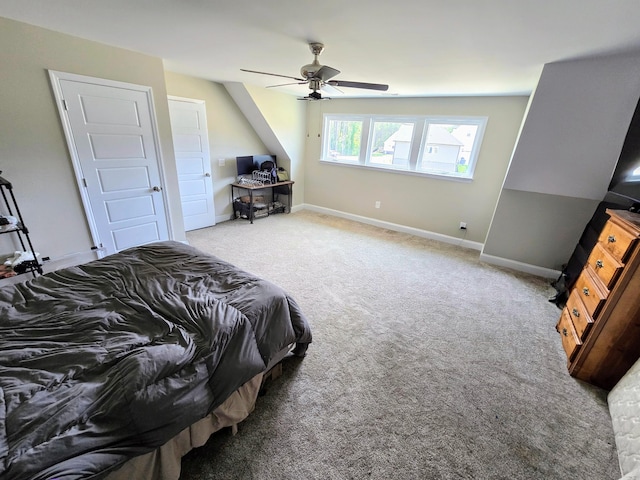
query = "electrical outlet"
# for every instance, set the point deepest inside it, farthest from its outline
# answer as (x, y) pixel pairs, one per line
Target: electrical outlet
(221, 162)
(463, 225)
(378, 203)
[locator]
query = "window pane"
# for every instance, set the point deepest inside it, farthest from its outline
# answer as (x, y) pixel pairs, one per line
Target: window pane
(343, 140)
(391, 144)
(448, 149)
(441, 146)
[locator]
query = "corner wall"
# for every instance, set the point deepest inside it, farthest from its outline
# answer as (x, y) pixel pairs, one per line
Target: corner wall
(279, 120)
(561, 167)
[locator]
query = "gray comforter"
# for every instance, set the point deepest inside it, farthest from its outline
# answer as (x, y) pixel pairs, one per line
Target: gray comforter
(108, 360)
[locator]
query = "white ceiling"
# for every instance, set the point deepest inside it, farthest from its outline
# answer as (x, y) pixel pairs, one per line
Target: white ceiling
(418, 47)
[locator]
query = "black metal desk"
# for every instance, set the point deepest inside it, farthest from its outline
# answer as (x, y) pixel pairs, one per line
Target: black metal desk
(252, 189)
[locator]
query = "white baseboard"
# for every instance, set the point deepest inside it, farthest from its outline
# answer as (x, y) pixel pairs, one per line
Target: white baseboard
(520, 266)
(297, 208)
(394, 226)
(69, 260)
(498, 261)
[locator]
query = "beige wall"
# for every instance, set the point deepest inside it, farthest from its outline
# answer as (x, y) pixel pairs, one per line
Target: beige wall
(230, 134)
(280, 121)
(432, 204)
(33, 151)
(286, 117)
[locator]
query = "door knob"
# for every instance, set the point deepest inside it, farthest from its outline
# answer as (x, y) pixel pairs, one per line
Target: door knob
(207, 174)
(156, 189)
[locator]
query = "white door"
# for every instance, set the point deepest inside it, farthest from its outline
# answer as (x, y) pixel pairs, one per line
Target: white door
(193, 161)
(111, 132)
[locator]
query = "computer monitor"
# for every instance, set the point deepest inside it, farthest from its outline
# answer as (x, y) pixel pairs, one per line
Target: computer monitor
(247, 164)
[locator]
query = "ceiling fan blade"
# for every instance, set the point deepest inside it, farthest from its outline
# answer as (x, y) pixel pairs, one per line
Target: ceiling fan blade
(370, 86)
(286, 84)
(275, 75)
(330, 89)
(325, 73)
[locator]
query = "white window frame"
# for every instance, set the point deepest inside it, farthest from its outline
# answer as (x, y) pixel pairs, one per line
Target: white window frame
(372, 120)
(418, 144)
(345, 118)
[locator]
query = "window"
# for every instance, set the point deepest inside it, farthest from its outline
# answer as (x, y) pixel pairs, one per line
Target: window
(390, 143)
(343, 138)
(448, 148)
(441, 146)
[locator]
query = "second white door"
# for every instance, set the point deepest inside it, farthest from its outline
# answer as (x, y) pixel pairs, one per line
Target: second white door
(193, 161)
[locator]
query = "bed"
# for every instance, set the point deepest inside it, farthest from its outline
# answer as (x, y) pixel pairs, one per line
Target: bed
(624, 408)
(104, 365)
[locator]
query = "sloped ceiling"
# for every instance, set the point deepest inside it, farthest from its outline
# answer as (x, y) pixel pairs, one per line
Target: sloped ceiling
(419, 48)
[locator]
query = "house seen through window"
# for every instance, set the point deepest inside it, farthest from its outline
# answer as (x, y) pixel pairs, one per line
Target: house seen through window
(424, 145)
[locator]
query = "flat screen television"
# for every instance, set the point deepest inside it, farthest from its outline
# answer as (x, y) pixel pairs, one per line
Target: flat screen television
(247, 164)
(625, 182)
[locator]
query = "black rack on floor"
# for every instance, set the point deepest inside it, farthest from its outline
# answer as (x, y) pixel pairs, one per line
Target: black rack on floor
(20, 229)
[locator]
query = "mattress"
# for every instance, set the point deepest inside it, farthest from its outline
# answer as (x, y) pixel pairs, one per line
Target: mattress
(624, 407)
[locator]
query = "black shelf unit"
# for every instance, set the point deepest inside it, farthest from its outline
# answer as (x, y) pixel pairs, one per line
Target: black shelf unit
(20, 229)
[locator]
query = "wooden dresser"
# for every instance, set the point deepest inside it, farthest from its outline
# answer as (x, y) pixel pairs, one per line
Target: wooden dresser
(600, 324)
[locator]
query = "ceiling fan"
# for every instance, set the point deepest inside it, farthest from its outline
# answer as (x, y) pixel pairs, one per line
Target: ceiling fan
(319, 76)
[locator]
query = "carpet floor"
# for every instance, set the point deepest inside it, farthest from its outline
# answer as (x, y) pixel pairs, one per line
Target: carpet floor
(426, 364)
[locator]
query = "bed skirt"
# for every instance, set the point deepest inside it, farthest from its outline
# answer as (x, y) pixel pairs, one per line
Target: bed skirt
(164, 462)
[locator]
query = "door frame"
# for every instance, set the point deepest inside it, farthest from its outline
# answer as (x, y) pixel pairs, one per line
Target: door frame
(55, 77)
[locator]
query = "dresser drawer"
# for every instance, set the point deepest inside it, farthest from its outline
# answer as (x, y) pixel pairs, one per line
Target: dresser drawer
(591, 290)
(580, 318)
(605, 265)
(617, 240)
(600, 324)
(570, 341)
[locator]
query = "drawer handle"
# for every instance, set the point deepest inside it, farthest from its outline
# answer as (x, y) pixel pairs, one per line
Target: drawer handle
(611, 238)
(585, 290)
(599, 264)
(575, 312)
(564, 332)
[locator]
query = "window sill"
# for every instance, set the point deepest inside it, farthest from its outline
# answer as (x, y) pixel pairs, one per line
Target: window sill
(438, 176)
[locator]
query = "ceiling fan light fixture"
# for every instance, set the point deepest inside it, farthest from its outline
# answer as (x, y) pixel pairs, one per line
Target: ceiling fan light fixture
(313, 96)
(309, 71)
(318, 76)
